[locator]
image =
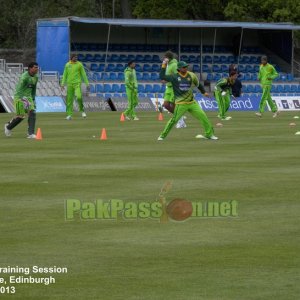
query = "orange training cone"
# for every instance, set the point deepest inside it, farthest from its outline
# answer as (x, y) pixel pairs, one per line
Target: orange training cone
(122, 118)
(103, 134)
(39, 135)
(160, 117)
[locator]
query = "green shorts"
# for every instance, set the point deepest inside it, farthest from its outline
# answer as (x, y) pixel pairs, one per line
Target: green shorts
(23, 106)
(169, 95)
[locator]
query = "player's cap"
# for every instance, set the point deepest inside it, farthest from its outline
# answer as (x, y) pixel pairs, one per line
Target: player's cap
(182, 64)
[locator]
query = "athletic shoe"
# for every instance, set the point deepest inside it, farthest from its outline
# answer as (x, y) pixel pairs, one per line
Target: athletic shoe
(83, 114)
(200, 136)
(68, 118)
(31, 136)
(7, 132)
(181, 123)
(135, 119)
(127, 118)
(258, 114)
(226, 118)
(276, 114)
(160, 138)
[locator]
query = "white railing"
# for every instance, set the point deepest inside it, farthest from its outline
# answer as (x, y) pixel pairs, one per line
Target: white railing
(14, 68)
(49, 75)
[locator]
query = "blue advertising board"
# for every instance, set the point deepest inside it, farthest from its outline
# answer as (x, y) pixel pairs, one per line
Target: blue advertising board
(50, 104)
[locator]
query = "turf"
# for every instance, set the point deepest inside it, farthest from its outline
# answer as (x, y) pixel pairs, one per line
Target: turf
(252, 256)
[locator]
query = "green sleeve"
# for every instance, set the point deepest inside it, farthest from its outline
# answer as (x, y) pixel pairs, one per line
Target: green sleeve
(83, 74)
(259, 74)
(34, 90)
(220, 84)
(163, 76)
(64, 78)
(274, 73)
(197, 83)
(128, 79)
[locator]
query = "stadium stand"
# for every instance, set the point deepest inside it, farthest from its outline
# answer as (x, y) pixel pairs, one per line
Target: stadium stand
(106, 76)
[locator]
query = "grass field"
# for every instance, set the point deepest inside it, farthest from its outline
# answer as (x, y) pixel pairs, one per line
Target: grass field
(252, 256)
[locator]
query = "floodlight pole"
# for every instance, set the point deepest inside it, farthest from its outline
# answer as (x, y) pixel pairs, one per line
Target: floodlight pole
(107, 45)
(240, 46)
(292, 63)
(201, 46)
(179, 43)
(214, 47)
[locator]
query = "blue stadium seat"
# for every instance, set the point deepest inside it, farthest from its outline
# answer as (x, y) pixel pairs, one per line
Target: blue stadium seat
(217, 76)
(205, 69)
(224, 68)
(97, 76)
(89, 57)
(81, 57)
(148, 88)
(258, 88)
(147, 68)
(245, 59)
(105, 76)
(98, 58)
(256, 69)
(130, 57)
(141, 88)
(241, 68)
(247, 77)
(146, 77)
(279, 89)
(92, 88)
(148, 58)
(122, 88)
(155, 68)
(282, 77)
(231, 59)
(156, 88)
(116, 88)
(99, 88)
(254, 60)
(138, 68)
(250, 88)
(209, 77)
(94, 67)
(196, 68)
(207, 59)
(155, 58)
(216, 68)
(290, 77)
(184, 58)
(110, 68)
(207, 49)
(216, 59)
(114, 58)
(113, 76)
(123, 58)
(121, 76)
(139, 58)
(223, 59)
(286, 88)
(154, 76)
(249, 69)
(139, 76)
(107, 88)
(294, 88)
(192, 59)
(119, 67)
(254, 76)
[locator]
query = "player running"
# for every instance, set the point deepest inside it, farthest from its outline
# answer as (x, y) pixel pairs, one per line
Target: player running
(183, 83)
(24, 100)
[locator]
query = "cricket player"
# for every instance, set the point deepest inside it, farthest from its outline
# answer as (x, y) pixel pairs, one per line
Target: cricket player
(169, 103)
(183, 83)
(266, 75)
(24, 100)
(223, 90)
(131, 91)
(73, 75)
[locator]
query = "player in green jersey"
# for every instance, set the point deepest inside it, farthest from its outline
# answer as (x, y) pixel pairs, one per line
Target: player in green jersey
(183, 83)
(223, 92)
(266, 75)
(131, 91)
(24, 100)
(169, 101)
(73, 75)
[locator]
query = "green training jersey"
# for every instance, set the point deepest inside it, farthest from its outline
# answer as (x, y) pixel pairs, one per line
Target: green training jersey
(224, 85)
(183, 85)
(171, 69)
(130, 78)
(26, 86)
(74, 73)
(267, 74)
